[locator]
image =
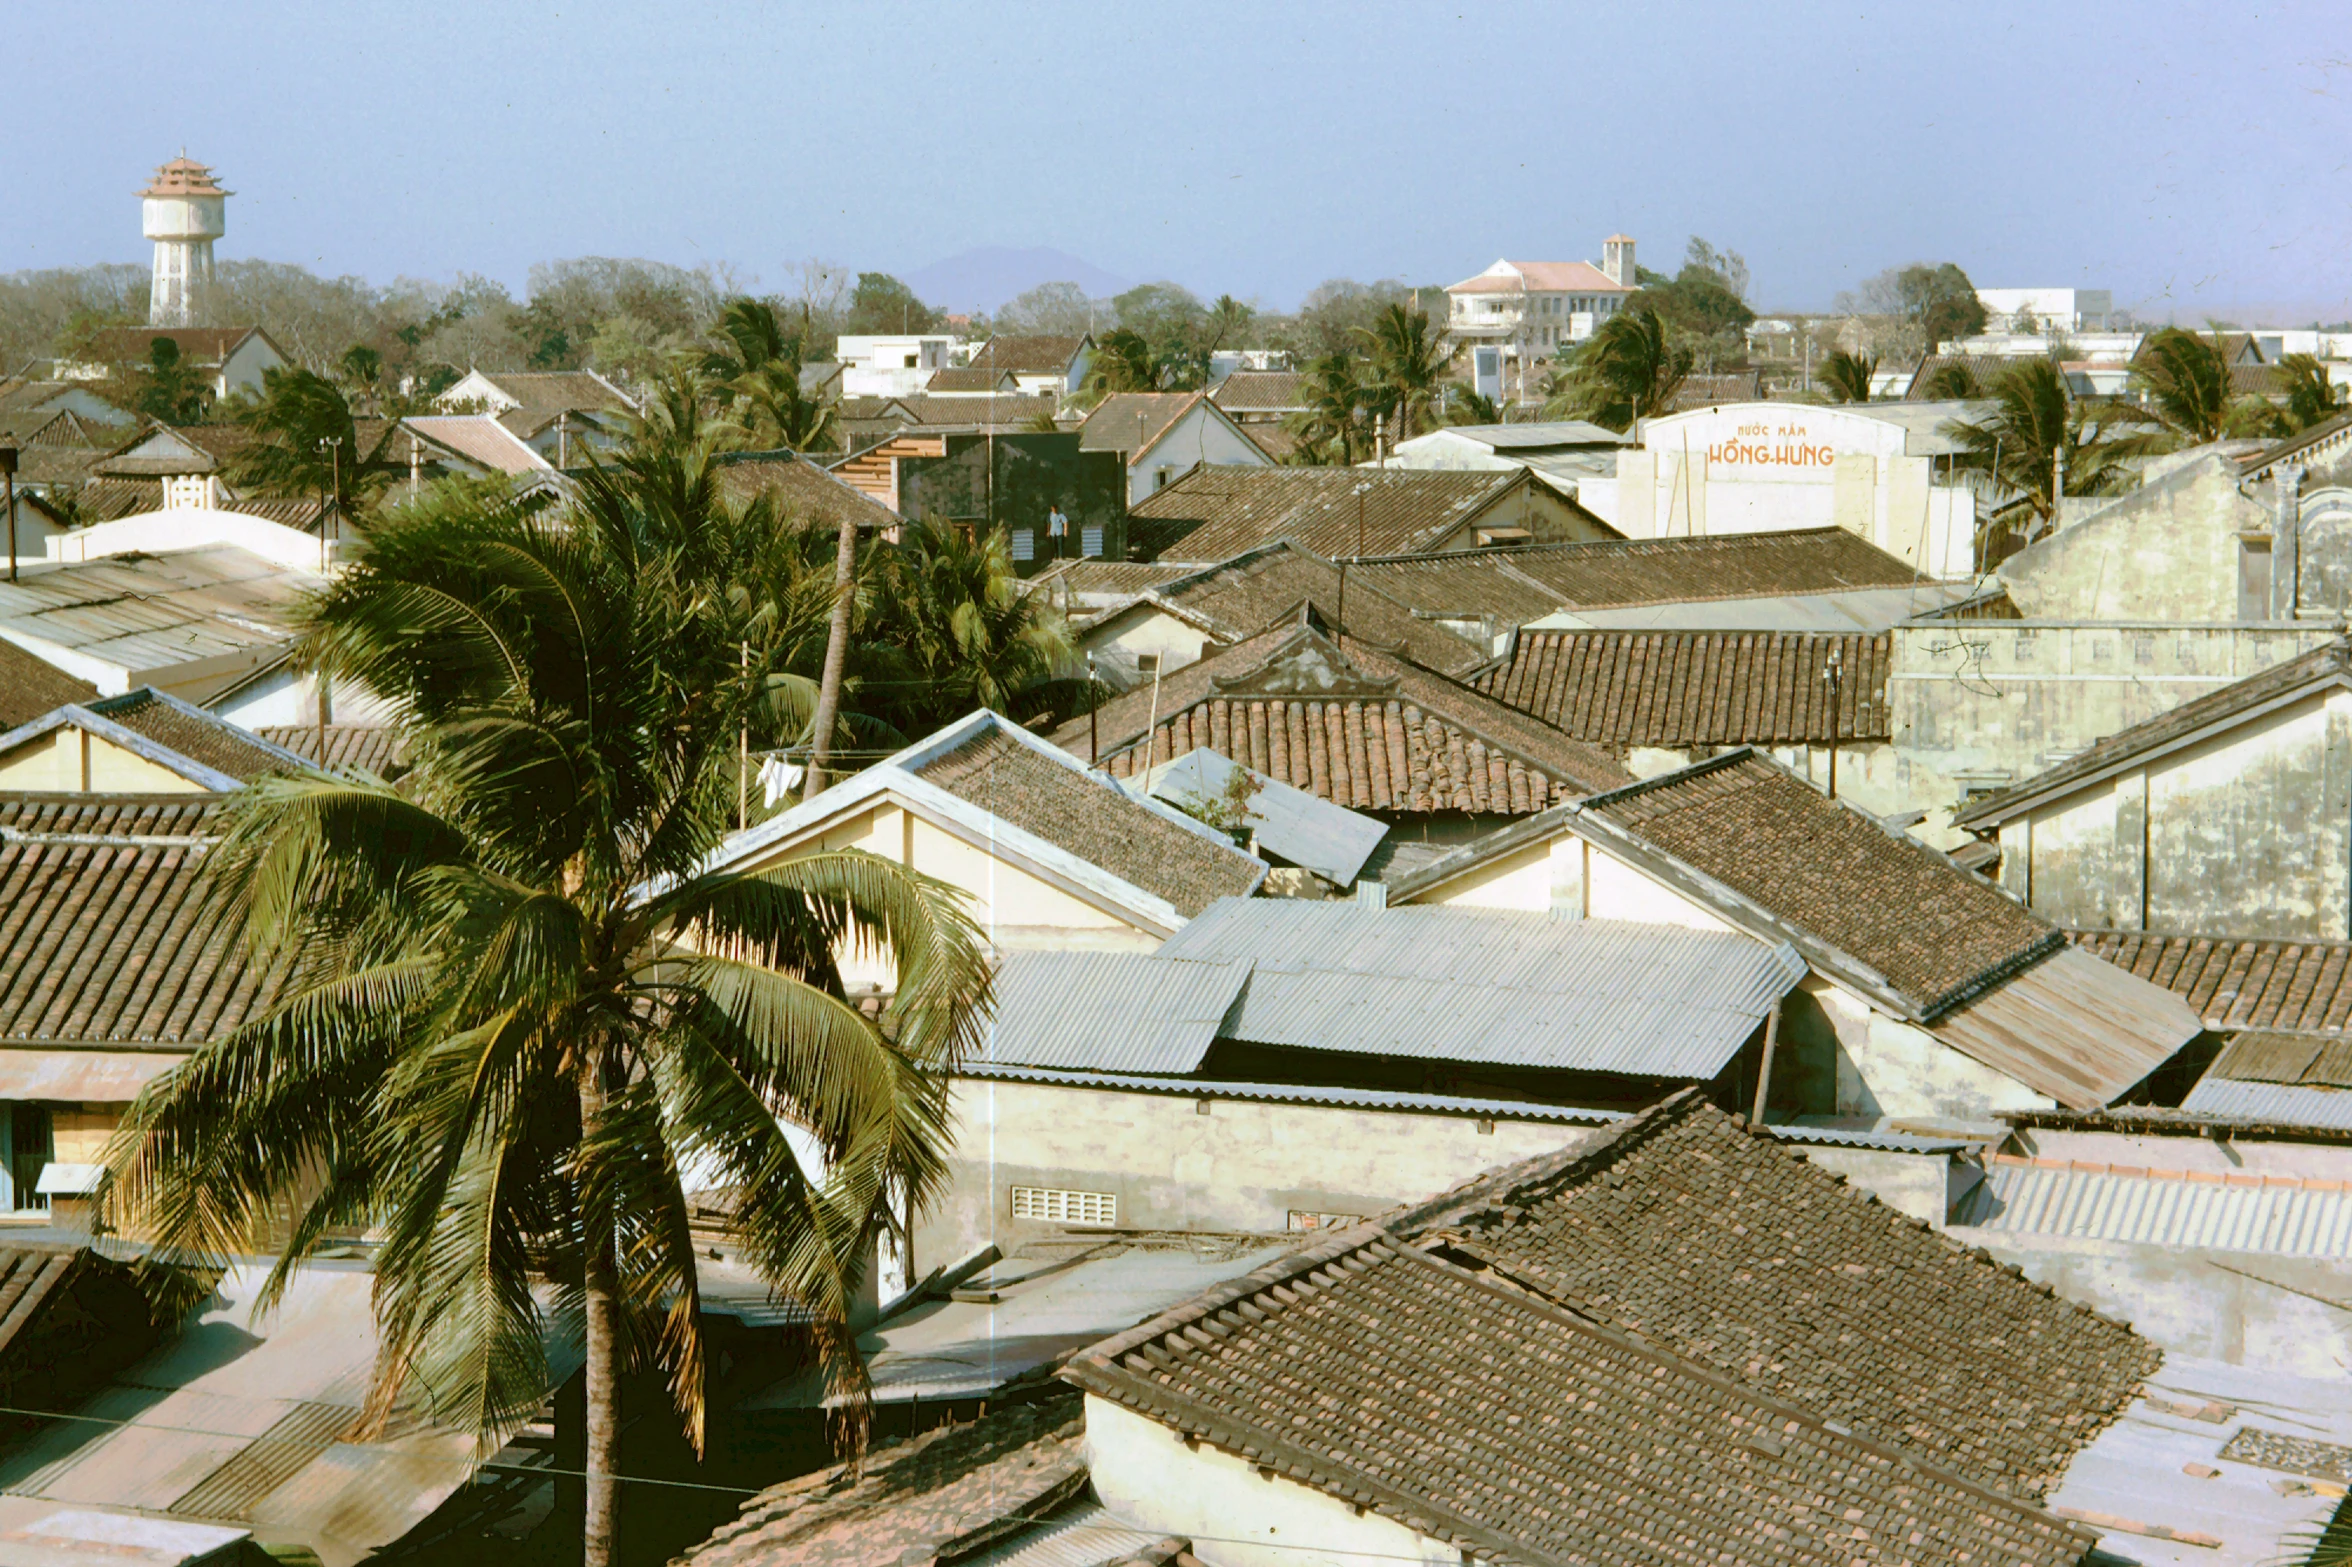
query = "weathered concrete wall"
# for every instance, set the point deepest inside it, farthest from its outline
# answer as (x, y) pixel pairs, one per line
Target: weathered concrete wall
(2239, 1307)
(1117, 643)
(2201, 1155)
(1839, 1055)
(1239, 1165)
(1922, 1185)
(1987, 702)
(1235, 1515)
(2168, 551)
(2249, 832)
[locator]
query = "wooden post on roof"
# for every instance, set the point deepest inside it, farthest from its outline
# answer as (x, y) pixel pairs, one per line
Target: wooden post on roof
(1764, 1067)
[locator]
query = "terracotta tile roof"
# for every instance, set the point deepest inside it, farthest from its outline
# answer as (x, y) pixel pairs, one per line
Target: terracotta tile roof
(1356, 726)
(1214, 513)
(1687, 688)
(1543, 276)
(1707, 391)
(1238, 597)
(1108, 579)
(200, 737)
(2235, 982)
(1128, 422)
(1028, 353)
(1937, 935)
(1261, 391)
(943, 1495)
(1527, 582)
(1074, 812)
(1010, 413)
(540, 395)
(1684, 1227)
(31, 686)
(968, 379)
(375, 748)
(803, 490)
(2322, 665)
(1463, 1398)
(2306, 1060)
(1985, 369)
(105, 920)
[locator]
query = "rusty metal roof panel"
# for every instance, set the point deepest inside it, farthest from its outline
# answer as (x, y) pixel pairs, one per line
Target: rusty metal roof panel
(2074, 1027)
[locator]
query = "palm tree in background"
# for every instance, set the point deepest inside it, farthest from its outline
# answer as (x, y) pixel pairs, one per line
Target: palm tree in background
(306, 442)
(1629, 369)
(520, 1015)
(2184, 382)
(1333, 424)
(755, 366)
(951, 630)
(2313, 397)
(1954, 381)
(1406, 361)
(1845, 376)
(1464, 406)
(2035, 427)
(1122, 362)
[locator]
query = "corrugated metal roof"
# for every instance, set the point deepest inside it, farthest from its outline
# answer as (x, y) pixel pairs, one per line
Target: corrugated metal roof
(1110, 1011)
(2161, 1209)
(1865, 1137)
(156, 612)
(1479, 985)
(1330, 840)
(2290, 1104)
(2074, 1027)
(1302, 1094)
(1084, 1534)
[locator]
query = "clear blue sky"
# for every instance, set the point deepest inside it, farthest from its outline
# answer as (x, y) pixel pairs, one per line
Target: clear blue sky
(2191, 155)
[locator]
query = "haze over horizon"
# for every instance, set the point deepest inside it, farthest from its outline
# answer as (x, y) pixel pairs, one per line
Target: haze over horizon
(2195, 164)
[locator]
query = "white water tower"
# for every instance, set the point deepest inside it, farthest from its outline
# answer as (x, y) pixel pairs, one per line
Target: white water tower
(184, 211)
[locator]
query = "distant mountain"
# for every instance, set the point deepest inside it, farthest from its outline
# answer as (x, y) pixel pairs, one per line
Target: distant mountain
(989, 276)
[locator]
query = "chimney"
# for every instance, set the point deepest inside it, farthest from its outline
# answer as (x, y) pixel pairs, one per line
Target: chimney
(2286, 540)
(1617, 260)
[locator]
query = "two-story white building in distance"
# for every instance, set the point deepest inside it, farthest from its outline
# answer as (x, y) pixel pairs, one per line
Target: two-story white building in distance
(1518, 313)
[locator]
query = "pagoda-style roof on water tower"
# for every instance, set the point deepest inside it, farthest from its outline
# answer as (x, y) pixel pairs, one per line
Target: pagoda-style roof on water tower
(184, 176)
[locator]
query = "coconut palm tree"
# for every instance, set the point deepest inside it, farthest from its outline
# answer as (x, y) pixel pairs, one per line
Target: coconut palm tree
(2037, 432)
(1845, 376)
(1122, 362)
(1954, 381)
(520, 1009)
(306, 442)
(2313, 397)
(1464, 406)
(952, 631)
(2184, 383)
(1333, 424)
(1630, 368)
(1406, 361)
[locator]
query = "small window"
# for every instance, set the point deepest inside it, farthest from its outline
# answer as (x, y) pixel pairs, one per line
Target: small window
(2143, 650)
(1161, 475)
(1090, 542)
(1147, 663)
(913, 362)
(1054, 1206)
(1024, 545)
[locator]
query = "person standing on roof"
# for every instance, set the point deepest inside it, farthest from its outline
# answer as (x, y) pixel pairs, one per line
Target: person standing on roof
(1057, 528)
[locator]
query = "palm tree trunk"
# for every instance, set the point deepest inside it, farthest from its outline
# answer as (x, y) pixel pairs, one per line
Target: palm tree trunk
(600, 1537)
(836, 655)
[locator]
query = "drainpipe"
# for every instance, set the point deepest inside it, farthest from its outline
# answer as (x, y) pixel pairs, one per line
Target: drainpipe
(2286, 541)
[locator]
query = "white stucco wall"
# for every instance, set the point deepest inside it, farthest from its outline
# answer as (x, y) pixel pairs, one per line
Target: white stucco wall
(1234, 1515)
(1118, 642)
(1888, 1067)
(1242, 1165)
(1201, 435)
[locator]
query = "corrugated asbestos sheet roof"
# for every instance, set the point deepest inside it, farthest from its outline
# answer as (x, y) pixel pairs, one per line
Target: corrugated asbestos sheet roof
(1303, 1094)
(2173, 1209)
(1083, 1534)
(1109, 1011)
(2326, 665)
(1238, 598)
(1291, 824)
(103, 916)
(1347, 723)
(1502, 988)
(2237, 982)
(1512, 583)
(31, 686)
(2296, 1079)
(1683, 1333)
(1214, 513)
(1073, 811)
(2273, 1104)
(1686, 688)
(159, 611)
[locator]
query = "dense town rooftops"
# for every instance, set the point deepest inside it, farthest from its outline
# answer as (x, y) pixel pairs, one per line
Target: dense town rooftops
(1261, 392)
(1521, 583)
(2239, 982)
(1032, 353)
(31, 686)
(1676, 1331)
(1349, 723)
(1686, 688)
(1214, 513)
(198, 345)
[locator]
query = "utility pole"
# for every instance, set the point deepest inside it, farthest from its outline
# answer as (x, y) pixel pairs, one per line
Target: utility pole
(332, 447)
(8, 477)
(1829, 676)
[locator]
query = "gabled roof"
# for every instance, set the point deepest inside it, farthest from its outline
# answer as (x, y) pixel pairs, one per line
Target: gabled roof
(1029, 353)
(2190, 723)
(1261, 391)
(480, 439)
(31, 686)
(1876, 911)
(1009, 792)
(1489, 986)
(536, 397)
(1686, 688)
(1348, 722)
(2236, 982)
(110, 936)
(1668, 1345)
(1132, 423)
(1215, 512)
(806, 492)
(204, 748)
(1511, 277)
(1236, 598)
(200, 346)
(970, 379)
(376, 748)
(1526, 582)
